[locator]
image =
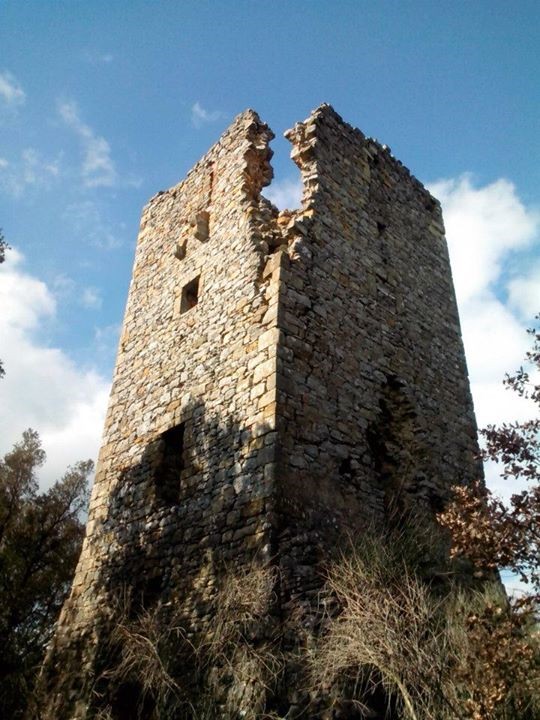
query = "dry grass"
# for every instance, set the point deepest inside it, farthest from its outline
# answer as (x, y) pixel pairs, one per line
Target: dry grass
(389, 638)
(144, 644)
(226, 673)
(241, 652)
(434, 654)
(146, 649)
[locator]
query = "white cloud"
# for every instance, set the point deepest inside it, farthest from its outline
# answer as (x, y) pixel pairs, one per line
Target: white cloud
(11, 93)
(484, 226)
(524, 293)
(98, 169)
(487, 227)
(91, 298)
(30, 170)
(200, 116)
(285, 194)
(43, 388)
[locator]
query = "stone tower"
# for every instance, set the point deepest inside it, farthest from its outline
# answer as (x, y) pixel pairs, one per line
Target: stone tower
(282, 379)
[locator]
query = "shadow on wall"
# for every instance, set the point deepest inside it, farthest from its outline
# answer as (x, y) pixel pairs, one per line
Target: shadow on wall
(185, 519)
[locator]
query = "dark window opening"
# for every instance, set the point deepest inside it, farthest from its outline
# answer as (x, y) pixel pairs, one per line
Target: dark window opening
(397, 451)
(180, 250)
(170, 465)
(345, 467)
(201, 223)
(190, 295)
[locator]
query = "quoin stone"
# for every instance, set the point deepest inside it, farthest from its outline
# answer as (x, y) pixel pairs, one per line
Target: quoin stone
(284, 380)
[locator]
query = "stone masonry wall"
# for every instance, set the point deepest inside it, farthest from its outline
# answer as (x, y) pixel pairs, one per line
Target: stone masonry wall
(283, 379)
(210, 370)
(374, 410)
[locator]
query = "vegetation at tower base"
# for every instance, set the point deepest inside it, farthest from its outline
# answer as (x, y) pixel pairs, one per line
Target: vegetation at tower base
(40, 541)
(158, 668)
(417, 637)
(403, 633)
(495, 535)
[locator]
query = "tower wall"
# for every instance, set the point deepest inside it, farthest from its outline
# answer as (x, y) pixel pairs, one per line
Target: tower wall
(375, 415)
(196, 382)
(284, 380)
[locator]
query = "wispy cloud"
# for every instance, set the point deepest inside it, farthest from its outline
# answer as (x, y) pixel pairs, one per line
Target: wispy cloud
(200, 116)
(31, 169)
(91, 298)
(66, 290)
(11, 93)
(106, 341)
(88, 224)
(98, 168)
(63, 286)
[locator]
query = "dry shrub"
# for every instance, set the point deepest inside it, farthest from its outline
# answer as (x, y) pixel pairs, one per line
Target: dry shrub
(148, 660)
(242, 654)
(227, 672)
(389, 637)
(433, 650)
(146, 646)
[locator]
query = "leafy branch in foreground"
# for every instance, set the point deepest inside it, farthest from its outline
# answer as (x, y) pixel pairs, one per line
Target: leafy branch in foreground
(494, 535)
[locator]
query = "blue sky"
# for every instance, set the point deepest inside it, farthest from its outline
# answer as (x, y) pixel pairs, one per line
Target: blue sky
(102, 104)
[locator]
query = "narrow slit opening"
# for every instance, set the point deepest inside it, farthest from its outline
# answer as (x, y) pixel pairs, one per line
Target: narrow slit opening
(170, 465)
(190, 295)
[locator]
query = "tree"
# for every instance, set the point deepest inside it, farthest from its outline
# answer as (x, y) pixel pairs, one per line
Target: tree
(494, 535)
(3, 247)
(40, 541)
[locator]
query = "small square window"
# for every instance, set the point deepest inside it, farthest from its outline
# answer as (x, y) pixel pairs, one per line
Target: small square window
(190, 295)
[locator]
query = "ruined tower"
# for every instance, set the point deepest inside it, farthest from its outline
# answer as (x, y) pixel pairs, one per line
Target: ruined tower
(282, 379)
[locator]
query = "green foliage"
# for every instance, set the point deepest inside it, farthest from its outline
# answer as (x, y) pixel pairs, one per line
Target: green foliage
(40, 541)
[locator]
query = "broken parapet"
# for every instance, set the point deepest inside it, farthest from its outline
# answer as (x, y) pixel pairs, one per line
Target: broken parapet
(283, 379)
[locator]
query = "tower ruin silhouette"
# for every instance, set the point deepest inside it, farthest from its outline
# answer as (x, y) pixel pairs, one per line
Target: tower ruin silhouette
(283, 379)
